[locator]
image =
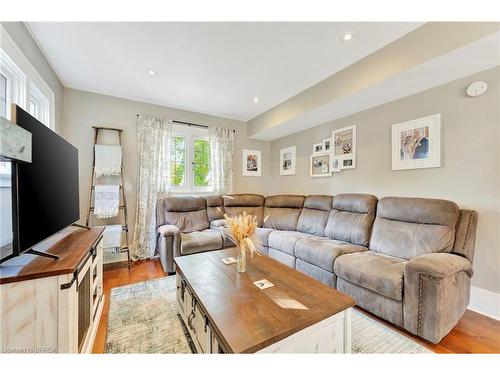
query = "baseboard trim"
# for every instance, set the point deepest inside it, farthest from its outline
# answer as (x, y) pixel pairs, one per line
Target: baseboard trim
(485, 302)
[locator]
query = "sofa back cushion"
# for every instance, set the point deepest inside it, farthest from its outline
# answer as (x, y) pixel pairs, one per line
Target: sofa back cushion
(351, 218)
(282, 211)
(189, 214)
(215, 207)
(409, 227)
(252, 204)
(314, 215)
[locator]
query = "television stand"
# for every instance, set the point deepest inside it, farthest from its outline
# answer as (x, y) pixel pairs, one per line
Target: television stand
(51, 306)
(42, 254)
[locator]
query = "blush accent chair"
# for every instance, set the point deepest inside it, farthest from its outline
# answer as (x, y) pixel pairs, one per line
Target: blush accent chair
(406, 260)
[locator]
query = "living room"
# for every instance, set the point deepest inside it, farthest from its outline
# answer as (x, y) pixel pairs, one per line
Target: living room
(189, 185)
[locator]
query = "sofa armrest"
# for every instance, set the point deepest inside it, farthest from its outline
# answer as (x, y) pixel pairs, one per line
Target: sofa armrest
(438, 265)
(168, 230)
(169, 246)
(436, 294)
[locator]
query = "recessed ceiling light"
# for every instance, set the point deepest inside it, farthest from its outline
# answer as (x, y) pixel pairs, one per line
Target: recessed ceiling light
(347, 36)
(151, 72)
(256, 99)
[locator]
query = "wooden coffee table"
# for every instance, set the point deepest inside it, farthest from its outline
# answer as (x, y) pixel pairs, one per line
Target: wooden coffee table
(225, 312)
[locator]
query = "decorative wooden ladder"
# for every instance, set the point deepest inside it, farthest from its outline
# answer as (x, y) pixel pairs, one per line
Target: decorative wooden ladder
(123, 205)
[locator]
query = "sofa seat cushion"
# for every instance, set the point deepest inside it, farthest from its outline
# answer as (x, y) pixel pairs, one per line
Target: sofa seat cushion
(322, 252)
(379, 273)
(284, 240)
(196, 242)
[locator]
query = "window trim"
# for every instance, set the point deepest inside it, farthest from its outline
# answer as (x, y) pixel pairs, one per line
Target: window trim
(189, 134)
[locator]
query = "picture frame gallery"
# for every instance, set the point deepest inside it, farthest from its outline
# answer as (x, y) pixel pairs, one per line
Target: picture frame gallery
(334, 154)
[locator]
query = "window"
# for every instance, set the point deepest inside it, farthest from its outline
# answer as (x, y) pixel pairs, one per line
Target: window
(201, 163)
(190, 147)
(178, 162)
(3, 96)
(21, 84)
(34, 110)
(39, 105)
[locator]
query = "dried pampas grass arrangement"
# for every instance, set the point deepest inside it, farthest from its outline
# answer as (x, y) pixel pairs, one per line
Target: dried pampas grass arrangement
(241, 230)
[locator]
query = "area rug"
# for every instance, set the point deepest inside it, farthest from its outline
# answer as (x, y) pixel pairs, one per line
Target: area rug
(143, 319)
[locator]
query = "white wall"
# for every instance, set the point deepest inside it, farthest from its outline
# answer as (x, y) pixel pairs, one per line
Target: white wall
(82, 110)
(470, 172)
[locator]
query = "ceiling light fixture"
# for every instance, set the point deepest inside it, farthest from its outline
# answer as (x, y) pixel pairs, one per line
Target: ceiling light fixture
(151, 72)
(256, 99)
(347, 36)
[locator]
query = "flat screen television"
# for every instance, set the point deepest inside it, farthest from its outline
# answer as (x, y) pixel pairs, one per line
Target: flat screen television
(45, 197)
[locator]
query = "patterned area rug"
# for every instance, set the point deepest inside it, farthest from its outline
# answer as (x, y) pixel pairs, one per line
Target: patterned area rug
(143, 319)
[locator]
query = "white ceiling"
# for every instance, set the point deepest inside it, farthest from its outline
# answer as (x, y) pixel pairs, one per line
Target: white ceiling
(215, 68)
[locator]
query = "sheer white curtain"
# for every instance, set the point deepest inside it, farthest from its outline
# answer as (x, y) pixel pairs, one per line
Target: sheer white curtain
(154, 136)
(222, 159)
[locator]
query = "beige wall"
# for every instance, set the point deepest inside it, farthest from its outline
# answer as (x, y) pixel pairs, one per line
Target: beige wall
(20, 35)
(82, 110)
(470, 172)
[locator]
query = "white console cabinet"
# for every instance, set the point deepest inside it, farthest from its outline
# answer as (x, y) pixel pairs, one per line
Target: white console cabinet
(53, 306)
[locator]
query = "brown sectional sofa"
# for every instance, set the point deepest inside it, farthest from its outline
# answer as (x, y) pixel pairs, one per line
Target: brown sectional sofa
(407, 260)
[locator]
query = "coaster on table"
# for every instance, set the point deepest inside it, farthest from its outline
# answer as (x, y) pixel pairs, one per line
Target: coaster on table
(263, 284)
(229, 260)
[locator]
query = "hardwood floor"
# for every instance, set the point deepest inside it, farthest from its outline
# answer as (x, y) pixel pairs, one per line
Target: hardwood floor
(118, 274)
(474, 333)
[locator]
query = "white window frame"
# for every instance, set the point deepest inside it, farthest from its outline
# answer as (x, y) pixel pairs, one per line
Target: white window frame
(190, 134)
(42, 102)
(16, 82)
(24, 83)
(5, 91)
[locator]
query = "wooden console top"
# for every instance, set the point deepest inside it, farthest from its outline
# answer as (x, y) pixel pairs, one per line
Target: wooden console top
(71, 249)
(247, 318)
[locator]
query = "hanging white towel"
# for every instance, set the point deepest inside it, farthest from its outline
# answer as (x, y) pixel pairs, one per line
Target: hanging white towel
(108, 160)
(112, 238)
(106, 201)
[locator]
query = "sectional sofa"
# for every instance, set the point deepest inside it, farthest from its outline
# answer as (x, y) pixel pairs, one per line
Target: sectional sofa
(407, 260)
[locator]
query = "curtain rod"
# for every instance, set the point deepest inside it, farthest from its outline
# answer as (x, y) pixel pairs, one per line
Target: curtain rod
(191, 124)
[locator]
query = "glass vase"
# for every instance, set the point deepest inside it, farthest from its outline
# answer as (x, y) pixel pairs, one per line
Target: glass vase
(241, 265)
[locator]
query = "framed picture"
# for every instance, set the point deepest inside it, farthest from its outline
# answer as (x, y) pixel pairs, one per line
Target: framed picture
(417, 143)
(335, 163)
(327, 145)
(317, 148)
(344, 146)
(320, 165)
(347, 163)
(287, 161)
(252, 163)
